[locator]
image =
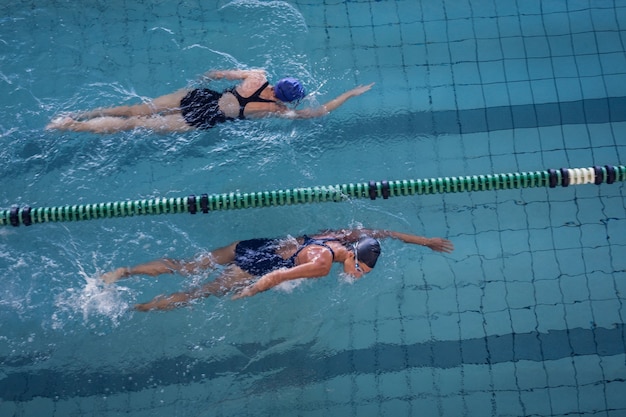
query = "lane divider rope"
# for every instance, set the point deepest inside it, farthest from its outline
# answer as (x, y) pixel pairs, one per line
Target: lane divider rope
(16, 216)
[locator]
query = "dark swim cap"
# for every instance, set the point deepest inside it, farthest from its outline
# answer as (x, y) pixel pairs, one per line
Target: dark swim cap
(367, 250)
(289, 89)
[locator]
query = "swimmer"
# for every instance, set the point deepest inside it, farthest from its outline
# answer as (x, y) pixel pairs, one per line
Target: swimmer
(256, 265)
(203, 108)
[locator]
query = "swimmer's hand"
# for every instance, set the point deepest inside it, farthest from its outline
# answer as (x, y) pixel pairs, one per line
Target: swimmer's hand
(267, 281)
(439, 244)
(357, 91)
(249, 291)
(326, 108)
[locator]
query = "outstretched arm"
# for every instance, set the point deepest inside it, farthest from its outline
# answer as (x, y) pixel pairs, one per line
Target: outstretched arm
(329, 106)
(235, 74)
(437, 244)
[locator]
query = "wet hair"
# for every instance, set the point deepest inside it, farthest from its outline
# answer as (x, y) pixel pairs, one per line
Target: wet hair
(367, 250)
(289, 89)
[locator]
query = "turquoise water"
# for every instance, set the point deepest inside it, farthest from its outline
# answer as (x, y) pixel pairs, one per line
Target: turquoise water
(526, 317)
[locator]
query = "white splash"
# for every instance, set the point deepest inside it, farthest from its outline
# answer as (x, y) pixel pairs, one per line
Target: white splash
(346, 278)
(289, 286)
(94, 300)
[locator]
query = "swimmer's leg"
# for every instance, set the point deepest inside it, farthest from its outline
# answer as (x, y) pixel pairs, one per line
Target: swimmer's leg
(221, 256)
(232, 278)
(96, 125)
(166, 104)
(161, 124)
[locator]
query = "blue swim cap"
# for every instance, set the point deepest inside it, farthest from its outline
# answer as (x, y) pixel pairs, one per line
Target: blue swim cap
(289, 89)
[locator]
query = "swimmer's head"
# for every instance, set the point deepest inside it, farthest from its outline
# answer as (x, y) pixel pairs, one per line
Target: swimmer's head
(367, 250)
(289, 89)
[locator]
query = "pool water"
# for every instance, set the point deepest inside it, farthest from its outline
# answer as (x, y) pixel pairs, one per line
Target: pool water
(526, 317)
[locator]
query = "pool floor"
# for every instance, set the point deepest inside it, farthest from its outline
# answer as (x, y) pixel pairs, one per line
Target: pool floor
(524, 318)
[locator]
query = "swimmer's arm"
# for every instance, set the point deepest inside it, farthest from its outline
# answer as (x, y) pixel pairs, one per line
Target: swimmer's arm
(437, 244)
(234, 74)
(328, 107)
(319, 268)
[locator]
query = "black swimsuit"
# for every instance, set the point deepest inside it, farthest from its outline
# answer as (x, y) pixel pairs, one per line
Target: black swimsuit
(200, 107)
(258, 256)
(254, 98)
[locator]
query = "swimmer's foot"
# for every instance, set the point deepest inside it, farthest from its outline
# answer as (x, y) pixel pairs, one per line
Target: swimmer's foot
(116, 275)
(61, 123)
(143, 307)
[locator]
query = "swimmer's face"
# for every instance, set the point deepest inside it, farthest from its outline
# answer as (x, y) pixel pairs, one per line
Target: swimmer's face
(354, 268)
(271, 88)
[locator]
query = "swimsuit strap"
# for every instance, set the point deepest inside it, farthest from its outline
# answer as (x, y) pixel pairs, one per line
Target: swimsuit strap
(253, 98)
(319, 242)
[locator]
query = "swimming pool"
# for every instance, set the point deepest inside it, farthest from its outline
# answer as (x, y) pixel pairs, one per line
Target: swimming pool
(526, 317)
